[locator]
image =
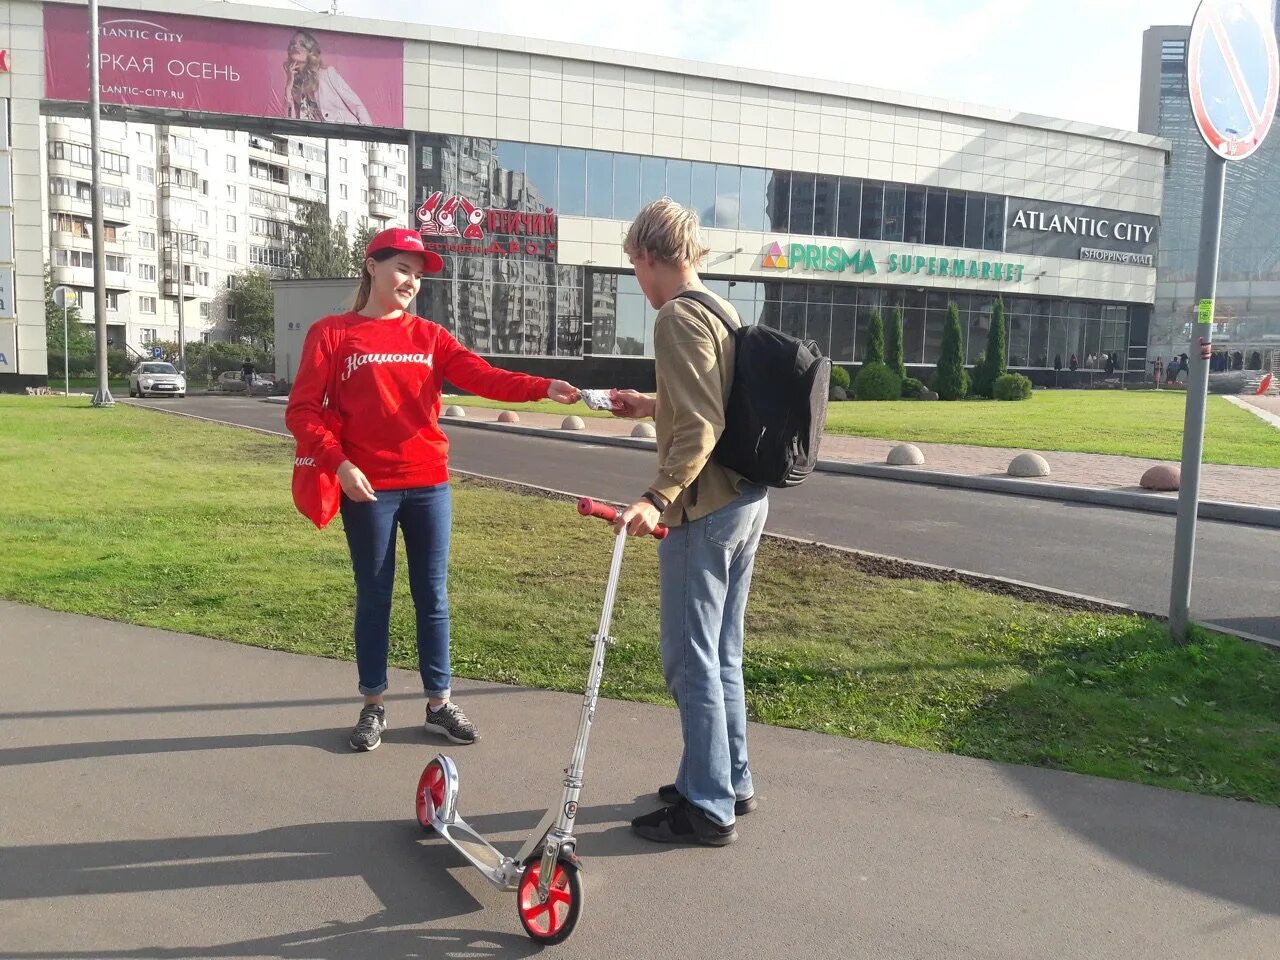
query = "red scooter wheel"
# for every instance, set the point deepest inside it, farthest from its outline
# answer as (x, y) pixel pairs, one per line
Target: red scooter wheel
(553, 921)
(430, 797)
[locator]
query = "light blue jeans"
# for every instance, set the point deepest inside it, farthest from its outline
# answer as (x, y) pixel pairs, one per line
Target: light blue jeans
(705, 575)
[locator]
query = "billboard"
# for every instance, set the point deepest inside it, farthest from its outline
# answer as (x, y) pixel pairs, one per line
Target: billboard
(226, 66)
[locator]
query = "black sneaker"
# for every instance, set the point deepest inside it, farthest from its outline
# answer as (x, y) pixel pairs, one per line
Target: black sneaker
(452, 722)
(669, 794)
(683, 823)
(367, 734)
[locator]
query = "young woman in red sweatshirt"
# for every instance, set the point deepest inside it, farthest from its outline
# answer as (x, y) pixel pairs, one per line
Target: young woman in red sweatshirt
(381, 370)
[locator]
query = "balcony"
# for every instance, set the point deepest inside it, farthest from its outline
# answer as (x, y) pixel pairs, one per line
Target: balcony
(190, 290)
(83, 277)
(390, 210)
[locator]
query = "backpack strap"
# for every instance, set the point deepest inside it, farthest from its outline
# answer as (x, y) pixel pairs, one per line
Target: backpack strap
(710, 303)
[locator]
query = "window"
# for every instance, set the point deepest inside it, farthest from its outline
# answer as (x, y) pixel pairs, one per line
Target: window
(202, 217)
(71, 152)
(149, 333)
(752, 199)
(146, 141)
(231, 222)
(146, 240)
(935, 217)
(364, 195)
(872, 220)
(113, 299)
(115, 162)
(115, 197)
(203, 247)
(895, 198)
(231, 136)
(702, 191)
(679, 173)
(63, 187)
(342, 164)
(342, 191)
(573, 181)
(147, 271)
(232, 253)
(955, 219)
(231, 192)
(913, 222)
(231, 163)
(146, 174)
(826, 205)
(147, 305)
(599, 184)
(73, 258)
(203, 278)
(204, 310)
(146, 207)
(117, 263)
(269, 257)
(626, 186)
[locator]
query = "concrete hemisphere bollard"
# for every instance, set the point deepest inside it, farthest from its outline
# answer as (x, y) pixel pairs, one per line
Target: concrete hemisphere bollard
(905, 455)
(572, 423)
(644, 430)
(1164, 477)
(508, 416)
(1028, 465)
(453, 410)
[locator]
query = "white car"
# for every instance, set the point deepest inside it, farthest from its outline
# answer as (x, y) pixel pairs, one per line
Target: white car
(156, 378)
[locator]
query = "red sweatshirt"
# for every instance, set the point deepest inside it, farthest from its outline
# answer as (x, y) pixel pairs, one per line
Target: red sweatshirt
(384, 379)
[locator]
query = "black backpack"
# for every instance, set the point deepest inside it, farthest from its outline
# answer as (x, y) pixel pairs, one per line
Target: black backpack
(777, 405)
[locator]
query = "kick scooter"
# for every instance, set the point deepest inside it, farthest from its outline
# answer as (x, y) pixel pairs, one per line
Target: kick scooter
(544, 873)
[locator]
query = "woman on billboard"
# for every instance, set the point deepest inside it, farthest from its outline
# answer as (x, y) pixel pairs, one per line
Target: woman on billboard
(314, 91)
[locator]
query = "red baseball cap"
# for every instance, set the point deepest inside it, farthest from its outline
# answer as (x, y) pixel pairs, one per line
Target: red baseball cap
(406, 241)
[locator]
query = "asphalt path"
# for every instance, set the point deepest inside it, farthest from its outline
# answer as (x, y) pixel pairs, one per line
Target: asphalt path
(1110, 553)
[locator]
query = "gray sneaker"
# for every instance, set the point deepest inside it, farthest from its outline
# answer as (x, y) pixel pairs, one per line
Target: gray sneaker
(452, 722)
(367, 734)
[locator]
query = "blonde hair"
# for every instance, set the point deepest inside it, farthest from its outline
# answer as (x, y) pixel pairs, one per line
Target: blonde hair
(669, 232)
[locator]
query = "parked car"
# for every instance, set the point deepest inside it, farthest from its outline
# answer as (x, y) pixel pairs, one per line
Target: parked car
(154, 377)
(232, 382)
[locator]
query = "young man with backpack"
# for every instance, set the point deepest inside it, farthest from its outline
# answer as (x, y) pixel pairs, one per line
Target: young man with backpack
(715, 517)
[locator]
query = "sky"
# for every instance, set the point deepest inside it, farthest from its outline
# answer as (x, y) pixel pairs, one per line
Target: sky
(1076, 59)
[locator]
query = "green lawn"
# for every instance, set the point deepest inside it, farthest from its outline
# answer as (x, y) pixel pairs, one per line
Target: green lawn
(211, 545)
(1127, 423)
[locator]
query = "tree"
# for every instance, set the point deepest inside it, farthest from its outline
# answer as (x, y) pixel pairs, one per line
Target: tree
(320, 246)
(251, 309)
(994, 364)
(894, 360)
(951, 382)
(359, 244)
(875, 340)
(78, 339)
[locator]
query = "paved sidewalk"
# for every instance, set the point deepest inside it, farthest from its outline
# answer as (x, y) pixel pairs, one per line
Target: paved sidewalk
(1251, 485)
(168, 796)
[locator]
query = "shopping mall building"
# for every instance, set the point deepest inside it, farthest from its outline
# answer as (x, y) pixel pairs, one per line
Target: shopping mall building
(822, 201)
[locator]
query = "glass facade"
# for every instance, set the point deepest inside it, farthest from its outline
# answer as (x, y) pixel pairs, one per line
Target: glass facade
(1248, 297)
(525, 304)
(836, 317)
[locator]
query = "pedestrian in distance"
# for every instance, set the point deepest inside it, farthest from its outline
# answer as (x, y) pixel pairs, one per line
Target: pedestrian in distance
(366, 399)
(247, 374)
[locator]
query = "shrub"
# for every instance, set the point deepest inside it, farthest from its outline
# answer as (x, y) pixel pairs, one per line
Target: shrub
(875, 381)
(893, 338)
(840, 377)
(912, 388)
(951, 382)
(1012, 386)
(875, 339)
(992, 366)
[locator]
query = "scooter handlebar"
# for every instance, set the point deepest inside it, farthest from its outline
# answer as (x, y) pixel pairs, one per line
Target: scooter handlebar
(594, 508)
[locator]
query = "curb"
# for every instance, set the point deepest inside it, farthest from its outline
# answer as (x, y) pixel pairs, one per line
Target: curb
(1006, 584)
(1097, 496)
(1263, 415)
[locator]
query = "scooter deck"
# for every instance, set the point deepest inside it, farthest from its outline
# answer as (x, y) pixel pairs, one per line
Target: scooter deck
(482, 855)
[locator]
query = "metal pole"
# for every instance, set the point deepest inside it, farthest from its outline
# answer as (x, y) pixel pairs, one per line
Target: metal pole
(102, 398)
(182, 297)
(66, 351)
(1197, 389)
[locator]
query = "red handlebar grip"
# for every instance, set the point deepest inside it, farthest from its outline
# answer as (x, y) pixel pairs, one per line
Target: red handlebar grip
(594, 508)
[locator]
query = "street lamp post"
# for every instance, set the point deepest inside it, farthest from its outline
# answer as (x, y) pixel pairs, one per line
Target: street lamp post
(102, 397)
(182, 297)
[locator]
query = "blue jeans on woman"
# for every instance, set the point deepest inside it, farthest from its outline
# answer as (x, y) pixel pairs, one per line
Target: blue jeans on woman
(704, 571)
(425, 515)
